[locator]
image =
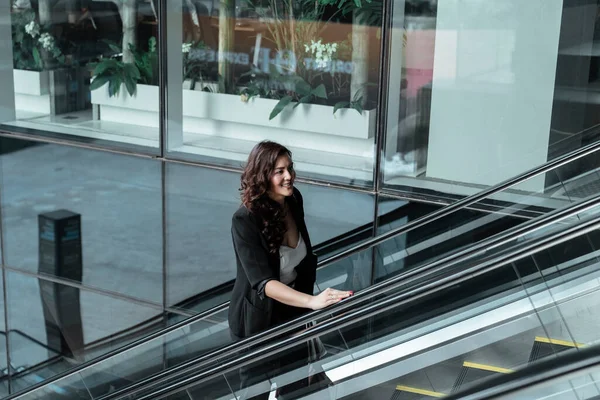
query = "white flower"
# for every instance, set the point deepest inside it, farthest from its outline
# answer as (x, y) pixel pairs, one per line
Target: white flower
(186, 47)
(47, 41)
(32, 29)
(323, 52)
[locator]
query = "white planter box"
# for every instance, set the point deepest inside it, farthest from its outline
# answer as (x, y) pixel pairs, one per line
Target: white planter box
(141, 109)
(50, 92)
(308, 126)
(31, 91)
(311, 118)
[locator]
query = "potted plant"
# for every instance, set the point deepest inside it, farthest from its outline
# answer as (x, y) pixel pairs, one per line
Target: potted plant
(127, 91)
(42, 73)
(196, 71)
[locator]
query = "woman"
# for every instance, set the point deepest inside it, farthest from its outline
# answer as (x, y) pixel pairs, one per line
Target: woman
(276, 268)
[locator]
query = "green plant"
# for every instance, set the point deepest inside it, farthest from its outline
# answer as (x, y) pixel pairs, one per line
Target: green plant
(34, 47)
(146, 62)
(263, 85)
(303, 94)
(355, 103)
(286, 89)
(195, 69)
(115, 72)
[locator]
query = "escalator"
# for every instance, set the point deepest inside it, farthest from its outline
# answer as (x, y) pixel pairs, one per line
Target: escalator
(434, 336)
(171, 357)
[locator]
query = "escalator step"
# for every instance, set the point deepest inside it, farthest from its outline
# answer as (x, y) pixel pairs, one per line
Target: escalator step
(473, 372)
(544, 347)
(412, 393)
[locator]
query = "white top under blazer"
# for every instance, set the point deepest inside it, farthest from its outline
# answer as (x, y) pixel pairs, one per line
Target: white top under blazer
(289, 259)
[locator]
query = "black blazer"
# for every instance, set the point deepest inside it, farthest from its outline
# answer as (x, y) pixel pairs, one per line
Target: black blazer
(249, 312)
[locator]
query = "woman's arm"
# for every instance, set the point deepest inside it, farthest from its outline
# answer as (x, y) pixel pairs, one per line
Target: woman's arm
(286, 295)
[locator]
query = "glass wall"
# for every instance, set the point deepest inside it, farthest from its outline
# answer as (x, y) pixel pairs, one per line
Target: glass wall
(77, 67)
(199, 206)
(303, 73)
(117, 199)
(485, 90)
(127, 123)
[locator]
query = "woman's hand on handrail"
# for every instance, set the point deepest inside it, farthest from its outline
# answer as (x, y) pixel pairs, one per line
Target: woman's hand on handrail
(286, 295)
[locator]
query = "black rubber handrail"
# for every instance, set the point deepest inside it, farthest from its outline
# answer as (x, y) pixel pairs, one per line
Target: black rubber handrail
(491, 263)
(267, 335)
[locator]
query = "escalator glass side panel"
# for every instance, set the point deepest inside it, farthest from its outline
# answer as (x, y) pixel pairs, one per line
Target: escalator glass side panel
(454, 338)
(583, 385)
(70, 388)
(457, 304)
(494, 214)
(169, 350)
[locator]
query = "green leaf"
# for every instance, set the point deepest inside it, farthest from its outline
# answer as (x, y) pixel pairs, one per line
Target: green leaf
(98, 82)
(114, 85)
(132, 71)
(152, 44)
(115, 48)
(303, 100)
(105, 65)
(37, 58)
(130, 85)
(358, 107)
(280, 106)
(302, 87)
(341, 104)
(319, 91)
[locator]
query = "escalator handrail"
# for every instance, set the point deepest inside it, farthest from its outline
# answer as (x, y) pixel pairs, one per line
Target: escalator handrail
(492, 262)
(380, 288)
(466, 202)
(419, 222)
(554, 368)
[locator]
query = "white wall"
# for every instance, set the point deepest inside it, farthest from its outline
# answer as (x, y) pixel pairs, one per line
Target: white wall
(493, 85)
(7, 102)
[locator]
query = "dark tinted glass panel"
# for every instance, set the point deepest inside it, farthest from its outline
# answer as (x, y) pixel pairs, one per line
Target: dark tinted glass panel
(104, 209)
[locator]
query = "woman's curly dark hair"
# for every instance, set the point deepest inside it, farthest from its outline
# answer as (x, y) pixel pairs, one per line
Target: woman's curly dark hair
(255, 183)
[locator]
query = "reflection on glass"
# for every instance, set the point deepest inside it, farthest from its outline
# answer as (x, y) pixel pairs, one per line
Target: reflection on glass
(83, 70)
(302, 73)
(200, 256)
(490, 89)
(60, 326)
(72, 387)
(118, 202)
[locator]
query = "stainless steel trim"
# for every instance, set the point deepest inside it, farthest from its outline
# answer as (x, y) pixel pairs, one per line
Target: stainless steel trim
(5, 293)
(383, 93)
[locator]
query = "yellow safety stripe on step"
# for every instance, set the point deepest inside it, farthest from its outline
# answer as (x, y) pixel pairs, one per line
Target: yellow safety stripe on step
(558, 342)
(419, 391)
(487, 367)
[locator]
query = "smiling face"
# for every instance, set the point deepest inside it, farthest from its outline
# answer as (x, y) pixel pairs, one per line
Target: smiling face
(282, 179)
